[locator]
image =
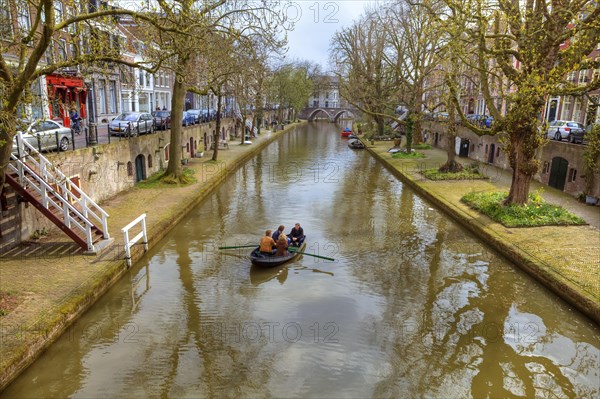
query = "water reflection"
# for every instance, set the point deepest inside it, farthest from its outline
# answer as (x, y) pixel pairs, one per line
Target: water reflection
(413, 306)
(259, 275)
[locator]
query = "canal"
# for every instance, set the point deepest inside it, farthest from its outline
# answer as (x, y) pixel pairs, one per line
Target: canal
(412, 306)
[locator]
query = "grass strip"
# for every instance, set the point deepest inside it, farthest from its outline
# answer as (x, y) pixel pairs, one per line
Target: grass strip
(535, 213)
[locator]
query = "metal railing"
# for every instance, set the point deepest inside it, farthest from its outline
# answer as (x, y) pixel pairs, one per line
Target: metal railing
(45, 178)
(130, 243)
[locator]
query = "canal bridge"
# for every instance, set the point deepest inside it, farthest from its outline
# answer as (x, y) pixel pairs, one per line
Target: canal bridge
(333, 114)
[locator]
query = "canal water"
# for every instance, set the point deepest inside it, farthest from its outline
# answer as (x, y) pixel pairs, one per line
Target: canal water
(412, 306)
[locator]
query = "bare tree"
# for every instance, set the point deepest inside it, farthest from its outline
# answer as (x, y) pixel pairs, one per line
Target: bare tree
(365, 81)
(534, 44)
(31, 33)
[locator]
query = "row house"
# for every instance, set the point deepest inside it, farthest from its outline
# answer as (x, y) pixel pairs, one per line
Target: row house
(579, 109)
(326, 94)
(97, 92)
(141, 90)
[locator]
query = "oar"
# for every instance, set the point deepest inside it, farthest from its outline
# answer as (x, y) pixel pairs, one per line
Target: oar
(240, 246)
(291, 249)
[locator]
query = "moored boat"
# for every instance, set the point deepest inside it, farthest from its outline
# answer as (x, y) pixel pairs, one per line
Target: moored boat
(356, 144)
(265, 260)
(347, 132)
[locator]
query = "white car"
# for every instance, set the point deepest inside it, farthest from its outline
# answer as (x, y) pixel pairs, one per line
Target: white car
(45, 135)
(571, 130)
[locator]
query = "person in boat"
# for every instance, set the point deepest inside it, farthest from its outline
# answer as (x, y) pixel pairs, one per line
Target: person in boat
(267, 243)
(296, 234)
(278, 232)
(282, 245)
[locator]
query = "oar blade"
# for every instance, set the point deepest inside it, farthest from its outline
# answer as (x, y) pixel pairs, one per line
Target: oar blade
(293, 249)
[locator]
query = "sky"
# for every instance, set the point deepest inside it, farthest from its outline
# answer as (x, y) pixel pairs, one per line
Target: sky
(317, 22)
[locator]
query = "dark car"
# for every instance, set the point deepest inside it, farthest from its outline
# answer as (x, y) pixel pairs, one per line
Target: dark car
(162, 120)
(196, 114)
(577, 133)
(187, 119)
(131, 124)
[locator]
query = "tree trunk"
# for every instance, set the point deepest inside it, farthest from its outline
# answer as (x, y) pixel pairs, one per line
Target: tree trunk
(174, 169)
(409, 133)
(216, 136)
(8, 123)
(380, 125)
(451, 164)
(243, 123)
(524, 168)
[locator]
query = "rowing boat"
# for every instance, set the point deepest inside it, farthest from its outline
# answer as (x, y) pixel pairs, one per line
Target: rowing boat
(265, 260)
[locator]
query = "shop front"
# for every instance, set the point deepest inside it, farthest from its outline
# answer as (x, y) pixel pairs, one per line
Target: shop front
(64, 94)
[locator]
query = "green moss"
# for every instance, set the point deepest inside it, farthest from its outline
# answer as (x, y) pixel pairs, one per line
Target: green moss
(405, 155)
(161, 180)
(421, 146)
(466, 174)
(536, 213)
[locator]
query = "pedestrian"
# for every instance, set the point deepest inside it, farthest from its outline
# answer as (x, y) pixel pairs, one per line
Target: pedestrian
(75, 121)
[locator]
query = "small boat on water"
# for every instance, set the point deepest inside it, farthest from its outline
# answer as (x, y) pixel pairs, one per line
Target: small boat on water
(347, 132)
(265, 260)
(356, 144)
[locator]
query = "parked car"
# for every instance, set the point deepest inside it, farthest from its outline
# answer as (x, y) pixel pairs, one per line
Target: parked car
(488, 121)
(131, 124)
(162, 120)
(188, 119)
(196, 113)
(46, 135)
(440, 116)
(571, 130)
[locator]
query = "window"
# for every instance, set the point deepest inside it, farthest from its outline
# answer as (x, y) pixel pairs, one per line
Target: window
(571, 76)
(546, 168)
(72, 28)
(129, 169)
(5, 20)
(58, 11)
(102, 96)
(112, 93)
(149, 160)
(50, 54)
(577, 110)
(62, 50)
(497, 152)
(583, 76)
(566, 108)
(572, 174)
(23, 16)
(141, 77)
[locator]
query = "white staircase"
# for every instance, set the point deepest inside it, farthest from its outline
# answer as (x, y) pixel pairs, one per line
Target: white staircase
(39, 182)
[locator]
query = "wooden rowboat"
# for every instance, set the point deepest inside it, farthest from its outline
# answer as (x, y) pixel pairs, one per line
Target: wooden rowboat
(356, 144)
(265, 260)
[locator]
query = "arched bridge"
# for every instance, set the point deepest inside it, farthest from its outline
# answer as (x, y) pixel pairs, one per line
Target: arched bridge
(333, 114)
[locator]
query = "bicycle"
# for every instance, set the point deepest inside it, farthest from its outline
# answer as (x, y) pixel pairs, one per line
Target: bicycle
(76, 127)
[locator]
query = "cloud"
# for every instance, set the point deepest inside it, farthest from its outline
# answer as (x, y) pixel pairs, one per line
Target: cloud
(315, 24)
